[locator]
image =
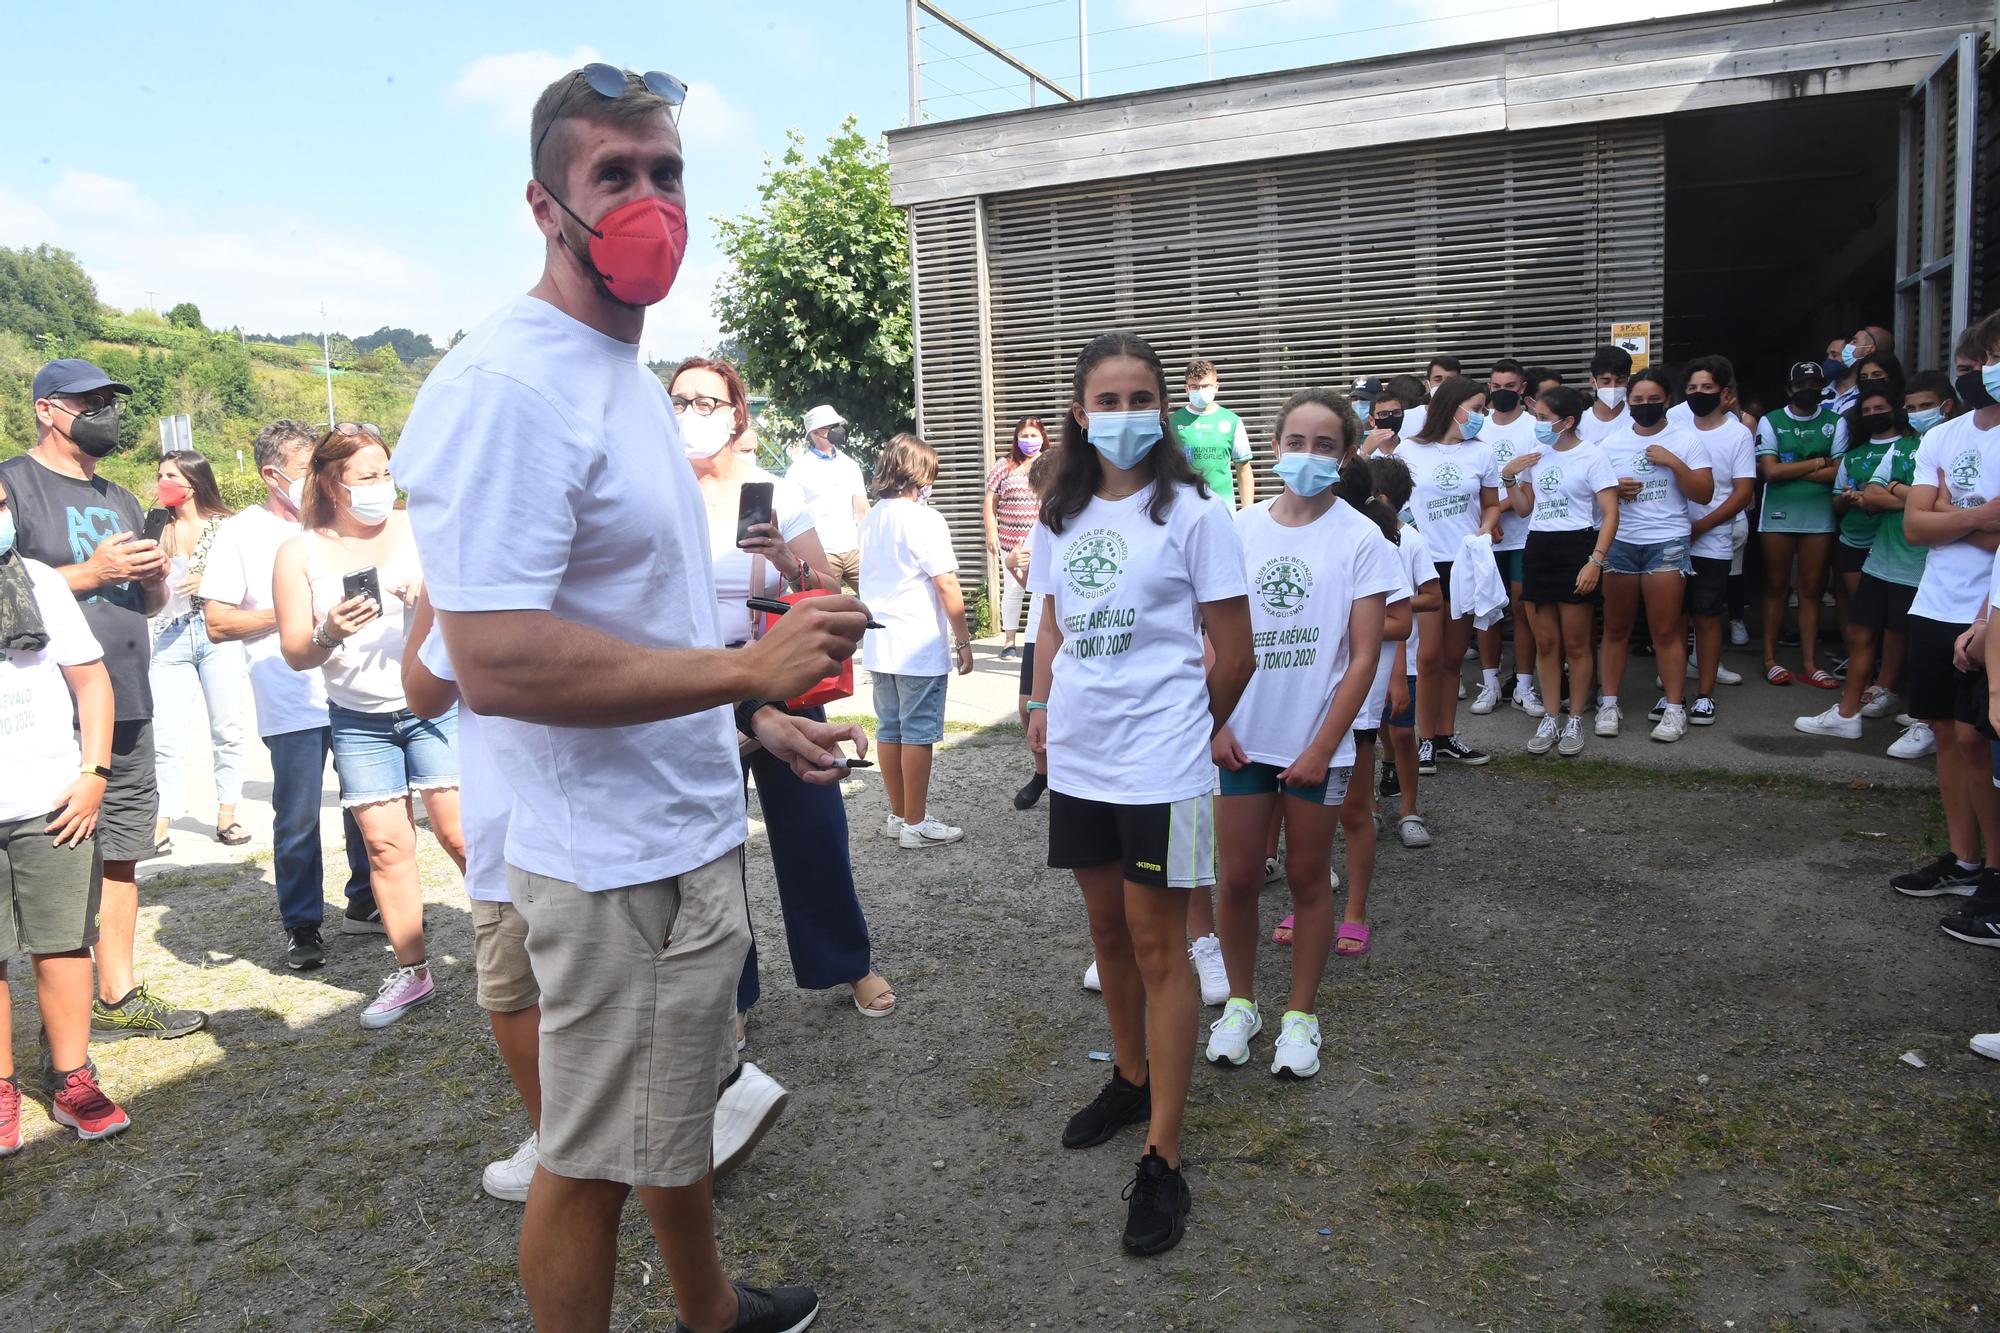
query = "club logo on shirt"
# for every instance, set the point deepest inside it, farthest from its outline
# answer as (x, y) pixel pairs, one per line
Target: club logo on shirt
(1965, 469)
(1094, 561)
(1551, 479)
(1447, 477)
(1284, 585)
(1641, 463)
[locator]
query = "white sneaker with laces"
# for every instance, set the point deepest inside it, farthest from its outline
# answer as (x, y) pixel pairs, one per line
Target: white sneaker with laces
(1570, 744)
(1607, 720)
(1673, 724)
(509, 1179)
(1829, 723)
(1488, 700)
(1207, 955)
(892, 827)
(1878, 702)
(1229, 1036)
(1724, 676)
(1297, 1053)
(745, 1110)
(1090, 981)
(1529, 701)
(1987, 1044)
(933, 832)
(1544, 738)
(1905, 720)
(1739, 633)
(1915, 743)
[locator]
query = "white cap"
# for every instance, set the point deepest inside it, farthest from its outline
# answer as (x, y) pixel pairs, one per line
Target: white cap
(823, 415)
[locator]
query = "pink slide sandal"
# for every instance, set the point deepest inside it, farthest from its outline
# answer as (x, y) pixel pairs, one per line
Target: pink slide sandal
(1283, 934)
(1350, 931)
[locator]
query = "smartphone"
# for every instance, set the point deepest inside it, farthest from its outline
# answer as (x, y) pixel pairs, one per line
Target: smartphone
(753, 508)
(362, 581)
(157, 521)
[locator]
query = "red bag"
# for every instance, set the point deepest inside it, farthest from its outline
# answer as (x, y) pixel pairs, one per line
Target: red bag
(839, 685)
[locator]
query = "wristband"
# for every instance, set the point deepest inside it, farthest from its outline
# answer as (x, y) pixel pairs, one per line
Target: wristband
(1596, 558)
(1036, 706)
(95, 771)
(749, 709)
(320, 639)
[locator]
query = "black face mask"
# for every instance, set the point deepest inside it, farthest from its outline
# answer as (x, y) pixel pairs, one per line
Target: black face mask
(1702, 404)
(1647, 414)
(1878, 384)
(836, 436)
(1878, 423)
(1971, 390)
(1805, 400)
(1389, 421)
(96, 432)
(1504, 400)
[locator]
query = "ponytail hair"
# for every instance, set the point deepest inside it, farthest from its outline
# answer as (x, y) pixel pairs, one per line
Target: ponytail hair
(1357, 483)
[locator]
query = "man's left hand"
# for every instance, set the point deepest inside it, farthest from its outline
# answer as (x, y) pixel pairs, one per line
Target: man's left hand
(809, 746)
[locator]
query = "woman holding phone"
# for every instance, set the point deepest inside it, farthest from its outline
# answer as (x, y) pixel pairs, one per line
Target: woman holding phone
(341, 590)
(762, 544)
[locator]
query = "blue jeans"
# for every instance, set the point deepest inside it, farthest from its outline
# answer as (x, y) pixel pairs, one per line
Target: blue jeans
(824, 927)
(298, 774)
(182, 659)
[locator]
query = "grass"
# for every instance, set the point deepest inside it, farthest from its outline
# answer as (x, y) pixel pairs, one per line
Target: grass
(1634, 1312)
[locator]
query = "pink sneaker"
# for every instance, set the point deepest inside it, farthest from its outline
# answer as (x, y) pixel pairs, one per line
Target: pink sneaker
(10, 1117)
(402, 990)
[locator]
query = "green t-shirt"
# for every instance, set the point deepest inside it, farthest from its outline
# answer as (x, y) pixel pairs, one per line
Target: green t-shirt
(1215, 442)
(1858, 526)
(1799, 505)
(1892, 559)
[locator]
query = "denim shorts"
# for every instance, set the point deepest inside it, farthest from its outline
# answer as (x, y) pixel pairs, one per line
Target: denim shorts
(385, 756)
(909, 710)
(1648, 557)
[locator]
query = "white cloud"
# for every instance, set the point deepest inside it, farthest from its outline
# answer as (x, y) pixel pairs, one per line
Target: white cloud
(87, 194)
(22, 222)
(505, 86)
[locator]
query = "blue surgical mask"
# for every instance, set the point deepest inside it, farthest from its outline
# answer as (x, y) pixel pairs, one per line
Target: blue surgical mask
(1924, 418)
(1124, 438)
(6, 531)
(1847, 354)
(1306, 473)
(1990, 377)
(1545, 433)
(1201, 399)
(923, 495)
(1474, 423)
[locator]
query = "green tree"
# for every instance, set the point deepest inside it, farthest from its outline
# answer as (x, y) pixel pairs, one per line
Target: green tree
(383, 360)
(186, 315)
(819, 297)
(44, 293)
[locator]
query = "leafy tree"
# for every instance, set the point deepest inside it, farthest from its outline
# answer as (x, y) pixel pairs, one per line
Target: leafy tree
(382, 359)
(409, 346)
(44, 292)
(819, 298)
(186, 315)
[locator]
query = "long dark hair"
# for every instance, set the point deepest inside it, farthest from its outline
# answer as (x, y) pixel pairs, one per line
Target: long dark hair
(1014, 440)
(1079, 474)
(1891, 367)
(1448, 397)
(208, 501)
(1856, 433)
(1357, 482)
(1566, 402)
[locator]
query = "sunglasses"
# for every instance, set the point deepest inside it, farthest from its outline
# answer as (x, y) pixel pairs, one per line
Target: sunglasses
(610, 83)
(367, 428)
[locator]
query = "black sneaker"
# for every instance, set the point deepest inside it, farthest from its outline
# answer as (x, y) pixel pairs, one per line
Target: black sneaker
(1120, 1104)
(304, 950)
(362, 917)
(1788, 638)
(1025, 798)
(1702, 712)
(142, 1014)
(778, 1310)
(1158, 1209)
(1941, 877)
(1983, 928)
(1426, 759)
(1456, 750)
(1658, 710)
(1391, 785)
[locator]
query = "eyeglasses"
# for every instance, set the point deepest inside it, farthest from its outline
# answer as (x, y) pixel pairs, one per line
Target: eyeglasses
(609, 82)
(367, 428)
(703, 405)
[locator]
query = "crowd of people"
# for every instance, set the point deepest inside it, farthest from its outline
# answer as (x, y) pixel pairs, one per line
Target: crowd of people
(578, 674)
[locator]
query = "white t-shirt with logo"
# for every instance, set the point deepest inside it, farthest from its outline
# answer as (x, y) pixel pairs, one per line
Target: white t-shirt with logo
(240, 562)
(1732, 457)
(483, 794)
(1516, 437)
(546, 473)
(1593, 431)
(1128, 712)
(1956, 576)
(1660, 512)
(37, 729)
(905, 546)
(1303, 586)
(1566, 483)
(732, 563)
(831, 486)
(1445, 497)
(1418, 569)
(1413, 420)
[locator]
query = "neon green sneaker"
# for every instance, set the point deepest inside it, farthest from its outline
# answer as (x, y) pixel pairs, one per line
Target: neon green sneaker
(142, 1014)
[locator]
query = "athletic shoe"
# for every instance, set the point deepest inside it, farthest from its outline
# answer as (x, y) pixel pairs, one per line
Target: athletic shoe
(1391, 785)
(1488, 699)
(1119, 1104)
(362, 917)
(1987, 1044)
(1461, 681)
(1452, 747)
(1274, 870)
(1009, 653)
(1607, 720)
(1426, 760)
(1739, 633)
(1905, 720)
(1915, 743)
(1702, 712)
(142, 1014)
(1943, 877)
(401, 991)
(1570, 745)
(82, 1105)
(1229, 1036)
(1829, 723)
(892, 827)
(10, 1116)
(304, 950)
(1207, 955)
(1878, 702)
(1090, 981)
(1544, 738)
(1413, 831)
(1530, 702)
(1297, 1053)
(1723, 675)
(769, 1310)
(1788, 638)
(509, 1179)
(1159, 1203)
(1839, 670)
(933, 832)
(1025, 798)
(747, 1108)
(1983, 929)
(1673, 724)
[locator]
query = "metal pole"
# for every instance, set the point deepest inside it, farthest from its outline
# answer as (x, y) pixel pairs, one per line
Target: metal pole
(326, 355)
(916, 65)
(1083, 47)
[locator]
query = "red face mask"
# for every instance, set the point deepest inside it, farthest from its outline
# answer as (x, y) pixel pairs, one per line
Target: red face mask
(637, 248)
(173, 494)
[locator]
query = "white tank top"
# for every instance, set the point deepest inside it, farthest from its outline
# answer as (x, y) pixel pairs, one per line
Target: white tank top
(365, 673)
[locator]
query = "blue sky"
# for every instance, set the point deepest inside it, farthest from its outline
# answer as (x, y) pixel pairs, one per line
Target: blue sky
(262, 159)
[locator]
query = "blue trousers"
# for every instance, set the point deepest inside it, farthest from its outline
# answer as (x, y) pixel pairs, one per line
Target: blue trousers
(824, 927)
(298, 776)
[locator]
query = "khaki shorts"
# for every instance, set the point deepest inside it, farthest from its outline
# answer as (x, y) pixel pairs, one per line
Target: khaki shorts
(500, 957)
(48, 894)
(846, 567)
(638, 1018)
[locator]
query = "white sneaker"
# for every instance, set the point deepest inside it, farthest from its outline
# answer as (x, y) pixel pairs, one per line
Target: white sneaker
(1274, 870)
(1987, 1044)
(746, 1109)
(1607, 720)
(1571, 743)
(1739, 633)
(1544, 738)
(1914, 743)
(1529, 702)
(1297, 1053)
(1905, 720)
(1724, 676)
(893, 827)
(1488, 700)
(1207, 955)
(1229, 1036)
(1878, 702)
(509, 1179)
(1673, 724)
(933, 832)
(1090, 981)
(1829, 723)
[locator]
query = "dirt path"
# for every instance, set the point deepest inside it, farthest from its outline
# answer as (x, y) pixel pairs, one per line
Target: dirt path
(1625, 1057)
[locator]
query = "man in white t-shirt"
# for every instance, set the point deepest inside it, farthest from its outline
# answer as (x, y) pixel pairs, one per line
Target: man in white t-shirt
(1610, 368)
(565, 548)
(291, 705)
(1510, 430)
(834, 492)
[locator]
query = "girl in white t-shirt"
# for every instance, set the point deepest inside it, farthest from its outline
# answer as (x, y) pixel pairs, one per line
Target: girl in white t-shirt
(1400, 717)
(1320, 572)
(1136, 560)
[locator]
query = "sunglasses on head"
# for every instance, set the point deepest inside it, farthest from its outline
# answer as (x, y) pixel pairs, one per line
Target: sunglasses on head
(367, 428)
(610, 83)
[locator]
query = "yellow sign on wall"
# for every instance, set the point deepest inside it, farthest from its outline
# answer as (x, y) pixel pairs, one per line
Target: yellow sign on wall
(1636, 339)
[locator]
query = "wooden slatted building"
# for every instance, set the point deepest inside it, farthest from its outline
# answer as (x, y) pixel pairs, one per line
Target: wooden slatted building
(1749, 181)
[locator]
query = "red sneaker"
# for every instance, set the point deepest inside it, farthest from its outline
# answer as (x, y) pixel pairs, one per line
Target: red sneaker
(83, 1106)
(10, 1117)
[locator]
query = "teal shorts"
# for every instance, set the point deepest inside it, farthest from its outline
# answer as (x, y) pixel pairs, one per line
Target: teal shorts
(1255, 779)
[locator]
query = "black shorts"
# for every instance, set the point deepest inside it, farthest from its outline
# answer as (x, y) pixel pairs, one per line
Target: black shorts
(1848, 559)
(1708, 590)
(131, 798)
(1880, 604)
(1938, 691)
(1170, 845)
(1443, 568)
(1027, 669)
(1550, 563)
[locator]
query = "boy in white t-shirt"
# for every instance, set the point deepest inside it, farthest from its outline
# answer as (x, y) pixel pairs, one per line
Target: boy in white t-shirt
(1610, 368)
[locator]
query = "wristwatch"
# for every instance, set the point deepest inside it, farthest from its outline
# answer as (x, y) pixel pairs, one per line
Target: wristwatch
(95, 771)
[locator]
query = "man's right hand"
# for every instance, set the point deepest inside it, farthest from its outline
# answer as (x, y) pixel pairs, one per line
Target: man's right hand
(808, 644)
(122, 558)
